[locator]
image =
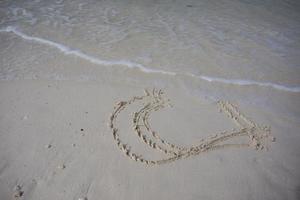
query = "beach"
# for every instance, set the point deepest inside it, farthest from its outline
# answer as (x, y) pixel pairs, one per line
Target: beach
(149, 100)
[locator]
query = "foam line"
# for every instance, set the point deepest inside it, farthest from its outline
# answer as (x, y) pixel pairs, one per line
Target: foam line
(75, 52)
(247, 83)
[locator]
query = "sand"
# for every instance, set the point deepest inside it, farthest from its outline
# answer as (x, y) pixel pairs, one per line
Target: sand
(149, 100)
(56, 145)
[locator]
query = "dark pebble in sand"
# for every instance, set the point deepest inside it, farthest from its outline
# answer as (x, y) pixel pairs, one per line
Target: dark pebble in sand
(18, 192)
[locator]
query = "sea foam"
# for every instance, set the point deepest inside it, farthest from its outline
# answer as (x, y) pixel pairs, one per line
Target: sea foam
(95, 60)
(75, 52)
(242, 82)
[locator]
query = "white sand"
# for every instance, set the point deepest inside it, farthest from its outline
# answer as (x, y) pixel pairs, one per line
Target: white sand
(39, 113)
(64, 65)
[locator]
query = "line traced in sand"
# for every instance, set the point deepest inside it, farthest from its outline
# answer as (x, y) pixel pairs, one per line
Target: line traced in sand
(76, 52)
(258, 136)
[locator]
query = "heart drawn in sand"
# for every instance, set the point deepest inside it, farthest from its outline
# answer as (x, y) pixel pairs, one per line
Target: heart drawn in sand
(258, 136)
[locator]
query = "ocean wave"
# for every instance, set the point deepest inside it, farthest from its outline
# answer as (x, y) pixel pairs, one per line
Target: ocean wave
(95, 60)
(243, 82)
(75, 52)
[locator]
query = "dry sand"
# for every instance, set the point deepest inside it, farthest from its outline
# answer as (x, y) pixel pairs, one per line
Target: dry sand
(55, 144)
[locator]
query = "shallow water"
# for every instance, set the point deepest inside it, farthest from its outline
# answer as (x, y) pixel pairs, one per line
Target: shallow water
(234, 43)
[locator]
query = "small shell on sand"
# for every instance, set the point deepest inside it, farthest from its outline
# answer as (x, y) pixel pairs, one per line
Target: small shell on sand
(63, 166)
